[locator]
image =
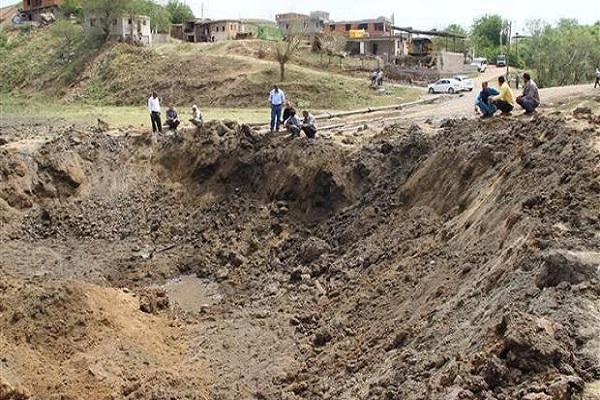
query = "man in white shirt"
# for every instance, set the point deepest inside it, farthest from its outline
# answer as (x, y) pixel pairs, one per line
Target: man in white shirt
(154, 109)
(276, 100)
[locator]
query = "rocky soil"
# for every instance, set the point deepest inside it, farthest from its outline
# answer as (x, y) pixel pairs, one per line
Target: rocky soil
(453, 262)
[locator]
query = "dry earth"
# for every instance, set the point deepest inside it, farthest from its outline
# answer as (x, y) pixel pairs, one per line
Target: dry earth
(438, 260)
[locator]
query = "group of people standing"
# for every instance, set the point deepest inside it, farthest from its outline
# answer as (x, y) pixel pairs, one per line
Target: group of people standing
(491, 100)
(172, 121)
(283, 114)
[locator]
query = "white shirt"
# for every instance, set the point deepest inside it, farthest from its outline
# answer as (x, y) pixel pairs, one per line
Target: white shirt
(597, 73)
(153, 104)
(277, 98)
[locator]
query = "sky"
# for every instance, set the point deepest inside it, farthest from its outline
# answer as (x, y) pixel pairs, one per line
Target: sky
(419, 14)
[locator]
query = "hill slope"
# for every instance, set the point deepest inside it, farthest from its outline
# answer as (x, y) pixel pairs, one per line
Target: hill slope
(59, 62)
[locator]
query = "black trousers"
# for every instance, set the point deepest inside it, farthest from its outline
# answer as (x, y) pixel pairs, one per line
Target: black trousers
(173, 123)
(156, 124)
(597, 83)
(504, 106)
(309, 131)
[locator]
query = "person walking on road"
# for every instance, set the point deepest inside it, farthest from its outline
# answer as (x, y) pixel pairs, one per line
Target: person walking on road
(505, 101)
(530, 99)
(483, 103)
(597, 83)
(276, 100)
(154, 109)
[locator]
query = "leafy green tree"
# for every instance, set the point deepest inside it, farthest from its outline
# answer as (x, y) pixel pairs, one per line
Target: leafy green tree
(67, 33)
(560, 55)
(488, 33)
(106, 11)
(160, 18)
(453, 44)
(179, 11)
(68, 8)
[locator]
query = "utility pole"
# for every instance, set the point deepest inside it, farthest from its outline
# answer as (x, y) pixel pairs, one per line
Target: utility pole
(508, 47)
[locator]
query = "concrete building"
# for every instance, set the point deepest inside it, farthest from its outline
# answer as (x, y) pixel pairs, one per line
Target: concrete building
(136, 27)
(377, 27)
(34, 8)
(315, 22)
(205, 30)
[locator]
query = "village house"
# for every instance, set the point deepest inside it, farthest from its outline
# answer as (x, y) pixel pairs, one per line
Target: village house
(313, 23)
(33, 9)
(134, 27)
(206, 30)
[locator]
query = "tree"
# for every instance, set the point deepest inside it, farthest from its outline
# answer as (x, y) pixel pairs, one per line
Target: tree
(106, 11)
(179, 12)
(332, 45)
(285, 50)
(560, 55)
(67, 33)
(453, 44)
(160, 18)
(70, 7)
(487, 35)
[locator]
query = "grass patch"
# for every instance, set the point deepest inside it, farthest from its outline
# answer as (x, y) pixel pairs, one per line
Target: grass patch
(118, 117)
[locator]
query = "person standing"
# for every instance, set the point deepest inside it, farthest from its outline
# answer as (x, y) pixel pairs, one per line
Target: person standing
(276, 99)
(483, 103)
(505, 101)
(154, 109)
(597, 83)
(530, 99)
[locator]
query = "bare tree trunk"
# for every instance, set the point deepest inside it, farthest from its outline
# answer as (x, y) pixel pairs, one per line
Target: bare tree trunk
(282, 70)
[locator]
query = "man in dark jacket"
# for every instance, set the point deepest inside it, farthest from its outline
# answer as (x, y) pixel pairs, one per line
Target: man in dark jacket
(530, 99)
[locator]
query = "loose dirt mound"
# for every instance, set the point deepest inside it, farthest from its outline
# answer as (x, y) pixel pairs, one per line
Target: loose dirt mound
(461, 265)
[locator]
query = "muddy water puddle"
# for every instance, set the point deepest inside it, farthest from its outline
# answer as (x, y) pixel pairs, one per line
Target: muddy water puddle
(191, 293)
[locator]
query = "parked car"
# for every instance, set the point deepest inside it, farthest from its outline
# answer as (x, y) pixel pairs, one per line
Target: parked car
(501, 60)
(446, 85)
(467, 83)
(480, 63)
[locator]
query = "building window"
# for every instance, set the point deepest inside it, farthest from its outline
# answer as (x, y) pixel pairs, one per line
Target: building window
(379, 27)
(217, 29)
(363, 26)
(129, 21)
(287, 26)
(144, 22)
(223, 28)
(348, 27)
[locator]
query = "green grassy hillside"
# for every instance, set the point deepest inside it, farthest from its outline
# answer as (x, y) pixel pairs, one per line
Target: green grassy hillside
(59, 62)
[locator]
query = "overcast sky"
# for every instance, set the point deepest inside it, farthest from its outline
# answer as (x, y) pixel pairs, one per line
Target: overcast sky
(420, 14)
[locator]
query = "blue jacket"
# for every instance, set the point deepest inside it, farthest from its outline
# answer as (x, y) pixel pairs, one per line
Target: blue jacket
(485, 94)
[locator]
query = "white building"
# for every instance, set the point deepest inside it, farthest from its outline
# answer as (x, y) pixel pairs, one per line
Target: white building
(136, 27)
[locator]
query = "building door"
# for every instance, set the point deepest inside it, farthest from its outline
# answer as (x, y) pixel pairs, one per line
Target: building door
(375, 48)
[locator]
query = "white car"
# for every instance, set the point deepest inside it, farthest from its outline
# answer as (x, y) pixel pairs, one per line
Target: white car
(467, 83)
(480, 63)
(445, 85)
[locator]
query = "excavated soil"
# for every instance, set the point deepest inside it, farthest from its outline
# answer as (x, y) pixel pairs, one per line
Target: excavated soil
(459, 262)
